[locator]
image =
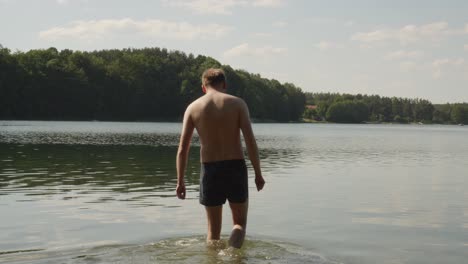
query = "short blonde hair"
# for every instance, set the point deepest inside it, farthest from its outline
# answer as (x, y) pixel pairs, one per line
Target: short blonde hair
(213, 77)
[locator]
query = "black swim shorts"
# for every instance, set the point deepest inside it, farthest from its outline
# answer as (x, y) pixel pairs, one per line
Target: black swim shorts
(221, 180)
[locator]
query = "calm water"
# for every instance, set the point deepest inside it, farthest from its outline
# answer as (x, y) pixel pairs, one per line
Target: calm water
(100, 192)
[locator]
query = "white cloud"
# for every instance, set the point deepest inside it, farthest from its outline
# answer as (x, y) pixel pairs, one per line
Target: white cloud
(465, 47)
(408, 66)
(262, 35)
(377, 35)
(268, 3)
(443, 62)
(320, 21)
(280, 24)
(408, 33)
(441, 65)
(105, 28)
(220, 7)
(206, 6)
(326, 45)
(245, 50)
(349, 23)
(65, 2)
(402, 54)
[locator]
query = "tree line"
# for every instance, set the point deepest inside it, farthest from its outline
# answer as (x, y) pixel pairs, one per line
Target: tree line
(150, 84)
(347, 108)
(154, 84)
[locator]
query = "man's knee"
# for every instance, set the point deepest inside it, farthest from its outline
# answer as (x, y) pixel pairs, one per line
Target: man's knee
(239, 213)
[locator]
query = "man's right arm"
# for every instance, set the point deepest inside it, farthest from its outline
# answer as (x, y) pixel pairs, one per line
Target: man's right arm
(251, 144)
(183, 151)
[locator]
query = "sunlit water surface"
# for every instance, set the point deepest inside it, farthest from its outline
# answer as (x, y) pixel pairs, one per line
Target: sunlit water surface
(101, 192)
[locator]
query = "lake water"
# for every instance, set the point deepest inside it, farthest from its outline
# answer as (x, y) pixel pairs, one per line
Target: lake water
(104, 192)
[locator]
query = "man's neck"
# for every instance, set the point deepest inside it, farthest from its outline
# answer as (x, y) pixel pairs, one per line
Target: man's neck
(210, 90)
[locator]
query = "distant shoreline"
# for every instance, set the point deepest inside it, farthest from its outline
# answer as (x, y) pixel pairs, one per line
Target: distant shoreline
(254, 121)
(376, 123)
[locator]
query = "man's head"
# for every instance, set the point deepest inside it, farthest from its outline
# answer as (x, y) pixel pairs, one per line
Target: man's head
(215, 79)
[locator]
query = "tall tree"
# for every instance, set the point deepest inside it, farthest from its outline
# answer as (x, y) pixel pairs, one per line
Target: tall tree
(127, 84)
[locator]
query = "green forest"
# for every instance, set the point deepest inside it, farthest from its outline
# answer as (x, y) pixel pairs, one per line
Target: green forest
(149, 84)
(347, 108)
(154, 84)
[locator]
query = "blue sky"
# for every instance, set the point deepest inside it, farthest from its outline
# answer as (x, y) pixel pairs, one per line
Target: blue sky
(398, 48)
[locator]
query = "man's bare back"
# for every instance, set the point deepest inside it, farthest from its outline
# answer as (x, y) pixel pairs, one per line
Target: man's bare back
(219, 118)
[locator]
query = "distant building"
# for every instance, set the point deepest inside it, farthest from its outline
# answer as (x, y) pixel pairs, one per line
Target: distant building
(311, 107)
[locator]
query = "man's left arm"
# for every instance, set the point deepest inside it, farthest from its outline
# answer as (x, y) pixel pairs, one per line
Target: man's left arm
(182, 153)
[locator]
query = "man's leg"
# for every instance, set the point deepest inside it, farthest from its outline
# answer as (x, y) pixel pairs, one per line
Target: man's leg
(239, 218)
(214, 216)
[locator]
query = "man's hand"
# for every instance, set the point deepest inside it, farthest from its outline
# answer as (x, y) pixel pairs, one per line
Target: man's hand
(180, 190)
(260, 182)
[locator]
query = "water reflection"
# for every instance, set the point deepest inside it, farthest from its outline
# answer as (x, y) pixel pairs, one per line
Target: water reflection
(85, 177)
(90, 138)
(379, 193)
(76, 158)
(44, 170)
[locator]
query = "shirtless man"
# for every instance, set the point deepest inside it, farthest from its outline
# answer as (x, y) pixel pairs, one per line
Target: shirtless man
(219, 118)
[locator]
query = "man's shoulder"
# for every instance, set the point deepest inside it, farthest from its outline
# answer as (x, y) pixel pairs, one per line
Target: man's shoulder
(195, 103)
(202, 101)
(234, 98)
(238, 103)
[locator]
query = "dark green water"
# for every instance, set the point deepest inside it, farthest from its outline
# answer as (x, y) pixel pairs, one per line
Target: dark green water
(99, 192)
